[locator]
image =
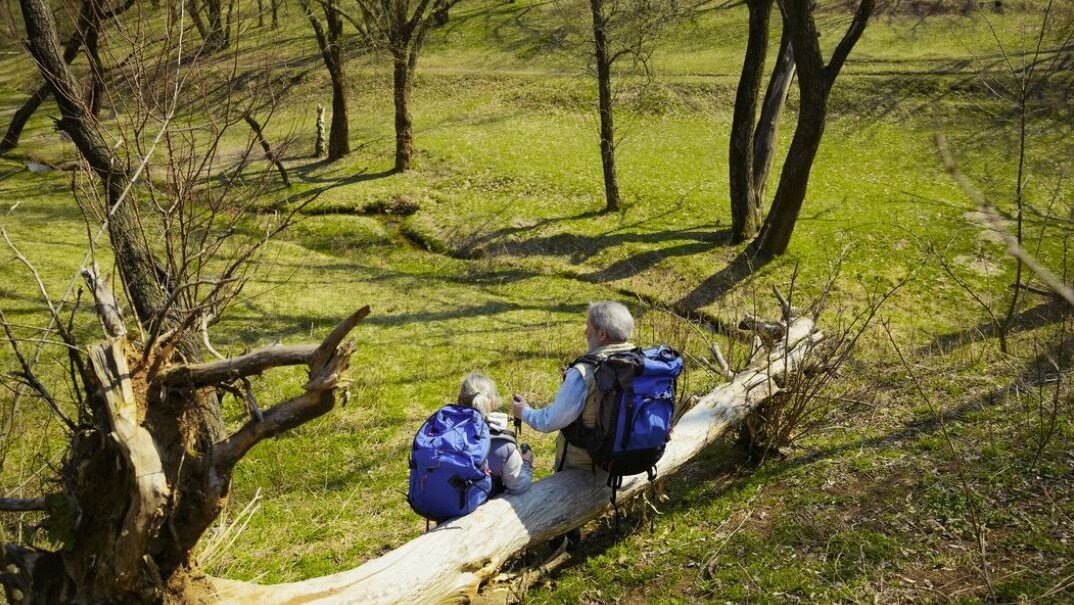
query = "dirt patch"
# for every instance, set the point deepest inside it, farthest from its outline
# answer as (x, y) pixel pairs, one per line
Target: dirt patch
(979, 265)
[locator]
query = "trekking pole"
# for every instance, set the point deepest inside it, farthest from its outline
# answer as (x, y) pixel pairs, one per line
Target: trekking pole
(517, 420)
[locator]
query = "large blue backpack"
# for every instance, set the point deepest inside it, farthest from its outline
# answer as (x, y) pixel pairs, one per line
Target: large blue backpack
(634, 412)
(446, 459)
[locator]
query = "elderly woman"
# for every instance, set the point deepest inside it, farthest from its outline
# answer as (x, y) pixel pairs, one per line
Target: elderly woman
(511, 468)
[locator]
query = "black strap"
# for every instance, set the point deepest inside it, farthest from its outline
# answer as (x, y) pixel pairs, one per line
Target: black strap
(505, 434)
(615, 482)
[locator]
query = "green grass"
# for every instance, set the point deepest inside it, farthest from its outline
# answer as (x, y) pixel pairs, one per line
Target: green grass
(493, 270)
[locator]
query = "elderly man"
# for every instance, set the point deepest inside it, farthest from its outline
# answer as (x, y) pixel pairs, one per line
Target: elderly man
(608, 328)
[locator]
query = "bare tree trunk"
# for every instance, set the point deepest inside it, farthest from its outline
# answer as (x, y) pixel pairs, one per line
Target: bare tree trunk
(603, 60)
(339, 143)
(328, 41)
(135, 263)
(92, 35)
(213, 26)
(776, 232)
(775, 97)
(815, 80)
(745, 204)
(404, 127)
(22, 116)
(26, 111)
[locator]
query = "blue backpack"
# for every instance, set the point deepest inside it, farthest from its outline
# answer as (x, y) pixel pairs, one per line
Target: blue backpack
(446, 475)
(634, 412)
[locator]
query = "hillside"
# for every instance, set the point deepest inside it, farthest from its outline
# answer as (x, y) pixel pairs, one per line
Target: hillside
(944, 478)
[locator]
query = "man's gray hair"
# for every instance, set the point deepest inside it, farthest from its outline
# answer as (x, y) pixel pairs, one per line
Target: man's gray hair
(612, 317)
(479, 392)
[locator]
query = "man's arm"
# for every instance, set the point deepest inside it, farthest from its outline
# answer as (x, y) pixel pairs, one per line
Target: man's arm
(568, 405)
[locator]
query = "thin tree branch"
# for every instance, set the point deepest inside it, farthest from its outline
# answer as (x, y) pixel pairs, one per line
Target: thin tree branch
(996, 222)
(327, 363)
(22, 505)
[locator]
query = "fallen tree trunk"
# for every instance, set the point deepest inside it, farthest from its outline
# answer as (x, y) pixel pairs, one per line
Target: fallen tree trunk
(450, 563)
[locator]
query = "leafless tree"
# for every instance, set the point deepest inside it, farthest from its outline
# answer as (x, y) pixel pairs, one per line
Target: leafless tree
(329, 39)
(622, 29)
(400, 26)
(149, 458)
(753, 139)
(815, 81)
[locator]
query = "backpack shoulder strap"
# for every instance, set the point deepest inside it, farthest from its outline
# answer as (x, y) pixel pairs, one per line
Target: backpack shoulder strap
(504, 435)
(588, 359)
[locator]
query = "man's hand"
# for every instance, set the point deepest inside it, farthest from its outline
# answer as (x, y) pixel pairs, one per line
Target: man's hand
(527, 453)
(518, 403)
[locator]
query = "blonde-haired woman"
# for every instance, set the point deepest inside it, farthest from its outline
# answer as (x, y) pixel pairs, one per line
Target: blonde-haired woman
(511, 468)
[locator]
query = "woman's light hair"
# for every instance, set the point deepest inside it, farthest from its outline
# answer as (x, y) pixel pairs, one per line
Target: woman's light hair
(612, 317)
(479, 392)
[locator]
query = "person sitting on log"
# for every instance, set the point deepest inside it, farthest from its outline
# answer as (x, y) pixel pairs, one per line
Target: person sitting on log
(510, 465)
(608, 328)
(464, 454)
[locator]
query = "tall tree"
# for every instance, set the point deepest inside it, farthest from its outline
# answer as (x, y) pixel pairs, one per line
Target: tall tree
(401, 26)
(212, 23)
(622, 29)
(745, 205)
(329, 37)
(603, 59)
(815, 81)
(752, 146)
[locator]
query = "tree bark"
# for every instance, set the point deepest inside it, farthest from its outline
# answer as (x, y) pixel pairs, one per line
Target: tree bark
(328, 41)
(26, 111)
(775, 97)
(404, 127)
(815, 80)
(603, 60)
(133, 258)
(449, 563)
(745, 204)
(270, 155)
(92, 36)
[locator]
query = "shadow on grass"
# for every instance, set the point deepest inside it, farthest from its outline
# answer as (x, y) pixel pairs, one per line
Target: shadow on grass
(638, 263)
(310, 195)
(1044, 314)
(251, 326)
(723, 281)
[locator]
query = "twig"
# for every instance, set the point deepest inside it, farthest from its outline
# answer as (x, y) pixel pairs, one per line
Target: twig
(21, 505)
(993, 220)
(971, 505)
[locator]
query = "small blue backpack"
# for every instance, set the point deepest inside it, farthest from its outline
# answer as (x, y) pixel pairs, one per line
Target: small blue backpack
(446, 475)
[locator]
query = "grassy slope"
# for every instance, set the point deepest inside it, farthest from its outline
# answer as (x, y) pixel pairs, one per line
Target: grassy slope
(507, 171)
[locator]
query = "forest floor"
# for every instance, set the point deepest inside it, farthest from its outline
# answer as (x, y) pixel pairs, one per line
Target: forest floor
(944, 478)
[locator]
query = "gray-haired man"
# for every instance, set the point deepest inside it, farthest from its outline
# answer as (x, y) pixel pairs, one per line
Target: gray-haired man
(608, 329)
